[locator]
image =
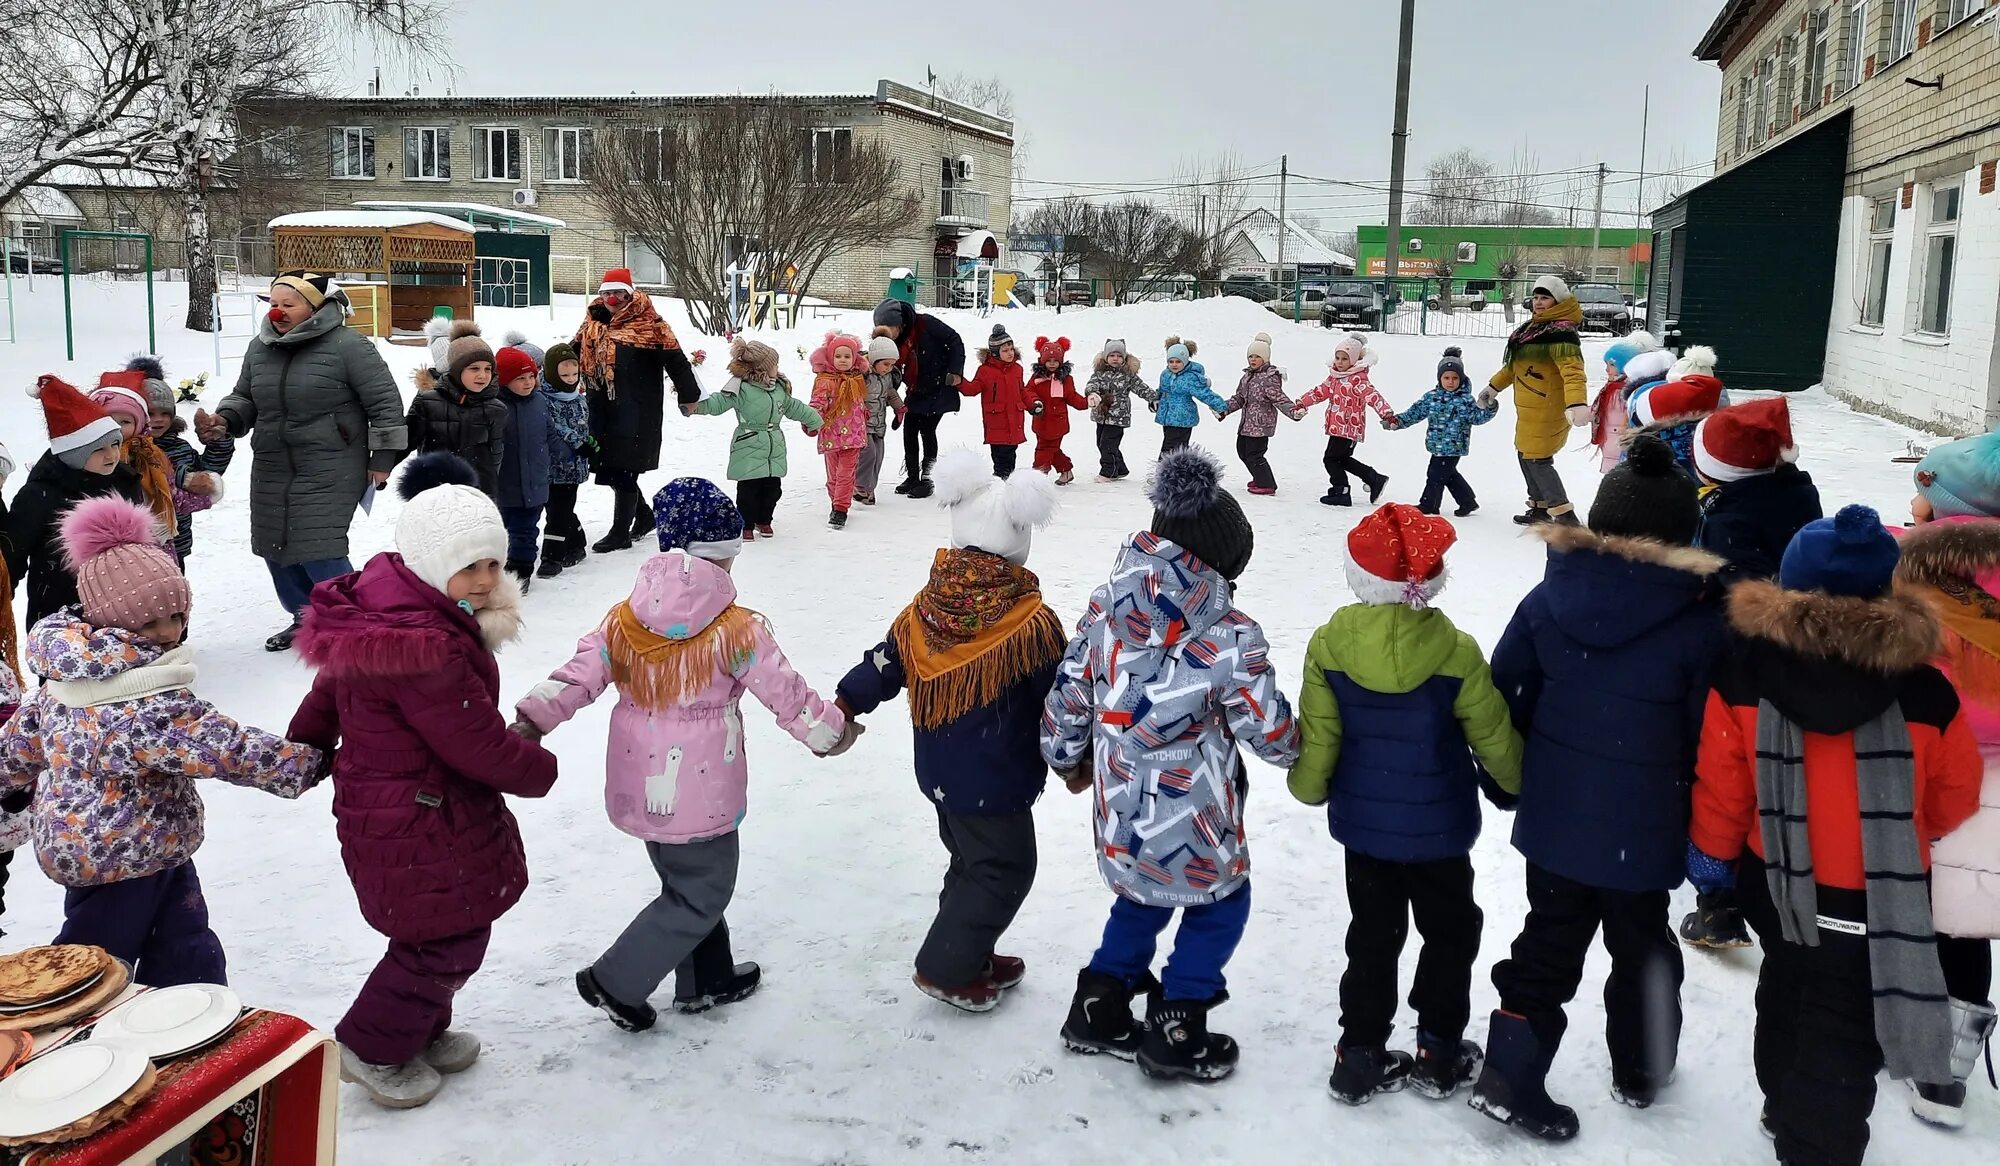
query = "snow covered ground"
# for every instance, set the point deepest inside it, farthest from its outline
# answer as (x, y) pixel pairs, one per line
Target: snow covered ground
(839, 1059)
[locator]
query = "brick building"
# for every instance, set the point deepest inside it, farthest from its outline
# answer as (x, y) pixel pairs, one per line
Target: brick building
(1887, 112)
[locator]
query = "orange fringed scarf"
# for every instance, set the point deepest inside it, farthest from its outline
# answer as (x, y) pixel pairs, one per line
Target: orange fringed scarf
(658, 673)
(156, 477)
(1971, 620)
(10, 649)
(849, 390)
(975, 629)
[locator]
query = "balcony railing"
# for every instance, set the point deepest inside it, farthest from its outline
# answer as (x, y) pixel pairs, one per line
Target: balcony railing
(959, 205)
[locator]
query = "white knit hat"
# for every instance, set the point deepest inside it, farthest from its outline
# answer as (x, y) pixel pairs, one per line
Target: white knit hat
(437, 338)
(1260, 345)
(446, 525)
(883, 348)
(995, 515)
(1554, 285)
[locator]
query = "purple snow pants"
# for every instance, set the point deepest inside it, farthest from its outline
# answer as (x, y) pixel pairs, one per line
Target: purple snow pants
(158, 924)
(406, 1003)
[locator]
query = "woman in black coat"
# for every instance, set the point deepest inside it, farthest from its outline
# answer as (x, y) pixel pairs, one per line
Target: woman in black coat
(933, 359)
(628, 354)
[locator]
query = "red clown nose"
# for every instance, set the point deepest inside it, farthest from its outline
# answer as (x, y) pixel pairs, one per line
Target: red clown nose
(275, 315)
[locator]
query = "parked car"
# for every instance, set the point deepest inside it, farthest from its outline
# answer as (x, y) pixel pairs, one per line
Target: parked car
(1605, 308)
(1302, 304)
(1078, 293)
(1469, 296)
(1262, 291)
(1351, 303)
(23, 262)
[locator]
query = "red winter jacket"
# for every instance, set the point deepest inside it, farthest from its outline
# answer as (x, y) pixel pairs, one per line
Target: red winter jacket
(410, 692)
(1829, 664)
(1052, 391)
(1001, 386)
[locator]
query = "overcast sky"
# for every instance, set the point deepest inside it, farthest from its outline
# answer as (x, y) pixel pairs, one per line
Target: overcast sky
(1120, 92)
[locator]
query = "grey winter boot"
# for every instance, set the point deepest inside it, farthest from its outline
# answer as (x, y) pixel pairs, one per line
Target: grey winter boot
(454, 1052)
(1944, 1105)
(404, 1086)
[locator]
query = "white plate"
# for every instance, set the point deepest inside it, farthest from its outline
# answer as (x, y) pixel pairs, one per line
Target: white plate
(80, 989)
(166, 1021)
(65, 1086)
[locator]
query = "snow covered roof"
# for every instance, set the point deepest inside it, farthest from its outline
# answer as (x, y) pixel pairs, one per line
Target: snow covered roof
(1302, 247)
(45, 203)
(363, 220)
(467, 210)
(88, 176)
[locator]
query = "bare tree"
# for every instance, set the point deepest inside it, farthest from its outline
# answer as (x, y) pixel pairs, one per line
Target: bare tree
(74, 90)
(991, 94)
(1211, 201)
(748, 177)
(1459, 190)
(1518, 191)
(1135, 245)
(1510, 268)
(1064, 227)
(1677, 178)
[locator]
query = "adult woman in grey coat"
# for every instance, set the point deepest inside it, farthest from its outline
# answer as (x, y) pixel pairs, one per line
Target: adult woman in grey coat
(326, 421)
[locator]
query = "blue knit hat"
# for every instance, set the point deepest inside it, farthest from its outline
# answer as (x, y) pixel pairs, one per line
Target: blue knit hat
(1962, 478)
(1621, 352)
(693, 514)
(1848, 554)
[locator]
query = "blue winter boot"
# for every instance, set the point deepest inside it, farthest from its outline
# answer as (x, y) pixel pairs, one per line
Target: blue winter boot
(1512, 1087)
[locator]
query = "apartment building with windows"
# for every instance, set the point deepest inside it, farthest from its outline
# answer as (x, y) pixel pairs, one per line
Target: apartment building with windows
(1870, 131)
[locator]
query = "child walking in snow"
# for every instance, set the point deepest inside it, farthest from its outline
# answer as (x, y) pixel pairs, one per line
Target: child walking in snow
(1182, 383)
(762, 400)
(525, 462)
(1609, 413)
(564, 541)
(458, 410)
(112, 742)
(840, 397)
(1347, 391)
(197, 472)
(82, 462)
(123, 395)
(1832, 755)
(1452, 411)
(1163, 681)
(1114, 381)
(1396, 704)
(408, 689)
(975, 652)
(1001, 386)
(885, 412)
(1760, 497)
(1051, 394)
(681, 652)
(1260, 397)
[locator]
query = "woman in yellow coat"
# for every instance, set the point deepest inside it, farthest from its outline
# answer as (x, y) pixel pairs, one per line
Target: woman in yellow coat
(1544, 362)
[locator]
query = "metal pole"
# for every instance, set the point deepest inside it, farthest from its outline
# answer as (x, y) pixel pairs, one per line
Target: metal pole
(69, 326)
(152, 338)
(1398, 142)
(7, 249)
(1597, 219)
(1645, 113)
(1284, 174)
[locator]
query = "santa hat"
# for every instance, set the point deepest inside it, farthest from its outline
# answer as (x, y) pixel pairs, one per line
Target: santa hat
(1684, 399)
(123, 394)
(995, 515)
(1744, 440)
(125, 578)
(1396, 555)
(511, 362)
(1051, 351)
(617, 279)
(446, 524)
(78, 427)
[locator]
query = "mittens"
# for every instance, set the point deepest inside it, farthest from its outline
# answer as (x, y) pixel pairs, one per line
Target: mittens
(1489, 397)
(1707, 872)
(1579, 416)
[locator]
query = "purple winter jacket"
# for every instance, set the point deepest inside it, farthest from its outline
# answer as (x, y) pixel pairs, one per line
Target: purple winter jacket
(1260, 396)
(112, 744)
(410, 692)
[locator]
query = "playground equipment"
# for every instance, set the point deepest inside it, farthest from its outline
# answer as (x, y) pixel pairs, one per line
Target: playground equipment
(71, 235)
(421, 261)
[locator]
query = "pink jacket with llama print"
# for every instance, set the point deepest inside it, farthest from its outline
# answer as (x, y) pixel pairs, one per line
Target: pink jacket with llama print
(680, 773)
(1347, 396)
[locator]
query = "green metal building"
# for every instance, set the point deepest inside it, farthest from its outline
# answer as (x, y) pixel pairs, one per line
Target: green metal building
(1624, 254)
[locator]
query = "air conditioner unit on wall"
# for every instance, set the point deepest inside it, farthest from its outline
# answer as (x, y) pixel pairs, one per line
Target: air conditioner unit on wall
(525, 196)
(965, 165)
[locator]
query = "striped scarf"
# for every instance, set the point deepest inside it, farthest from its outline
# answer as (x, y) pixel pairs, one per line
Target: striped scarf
(1912, 1011)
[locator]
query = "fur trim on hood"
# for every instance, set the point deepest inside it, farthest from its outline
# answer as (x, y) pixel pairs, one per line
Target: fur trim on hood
(391, 648)
(986, 355)
(1131, 364)
(1691, 560)
(1891, 634)
(1949, 554)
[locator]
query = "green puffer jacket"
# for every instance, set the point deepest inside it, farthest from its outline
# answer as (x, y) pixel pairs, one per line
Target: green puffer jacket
(1396, 704)
(322, 410)
(758, 448)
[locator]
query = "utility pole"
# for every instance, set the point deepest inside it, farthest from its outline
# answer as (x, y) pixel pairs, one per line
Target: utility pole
(1597, 219)
(1398, 141)
(1645, 114)
(1284, 176)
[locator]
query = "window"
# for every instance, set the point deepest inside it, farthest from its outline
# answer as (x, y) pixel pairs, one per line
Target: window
(1881, 239)
(647, 268)
(496, 154)
(1940, 258)
(353, 151)
(1468, 253)
(1819, 50)
(1903, 29)
(124, 221)
(568, 155)
(1855, 61)
(1761, 128)
(829, 155)
(645, 149)
(427, 153)
(1788, 76)
(1957, 10)
(1745, 85)
(279, 153)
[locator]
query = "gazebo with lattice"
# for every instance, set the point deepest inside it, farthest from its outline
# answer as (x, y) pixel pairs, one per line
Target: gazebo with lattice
(399, 266)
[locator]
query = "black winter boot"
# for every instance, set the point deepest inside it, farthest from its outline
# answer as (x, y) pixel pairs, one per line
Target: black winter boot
(620, 536)
(718, 979)
(1636, 1087)
(1178, 1044)
(523, 573)
(1100, 1015)
(640, 528)
(1362, 1071)
(554, 551)
(1716, 922)
(1534, 517)
(631, 1018)
(1512, 1088)
(1444, 1067)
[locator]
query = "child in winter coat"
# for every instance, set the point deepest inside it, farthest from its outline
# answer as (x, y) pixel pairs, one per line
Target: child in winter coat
(197, 472)
(1452, 411)
(1347, 391)
(16, 826)
(1832, 754)
(1114, 381)
(1609, 414)
(564, 541)
(112, 742)
(1671, 409)
(1396, 705)
(526, 464)
(458, 407)
(1951, 561)
(1051, 393)
(762, 400)
(123, 395)
(83, 461)
(975, 652)
(1761, 498)
(1001, 386)
(885, 412)
(1260, 397)
(409, 691)
(1621, 632)
(840, 397)
(1163, 681)
(682, 653)
(1182, 383)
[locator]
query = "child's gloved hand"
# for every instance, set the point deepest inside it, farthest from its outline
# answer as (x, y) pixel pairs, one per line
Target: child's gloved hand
(1036, 409)
(1578, 415)
(524, 729)
(600, 313)
(1707, 872)
(1297, 414)
(849, 733)
(1077, 780)
(901, 413)
(1096, 400)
